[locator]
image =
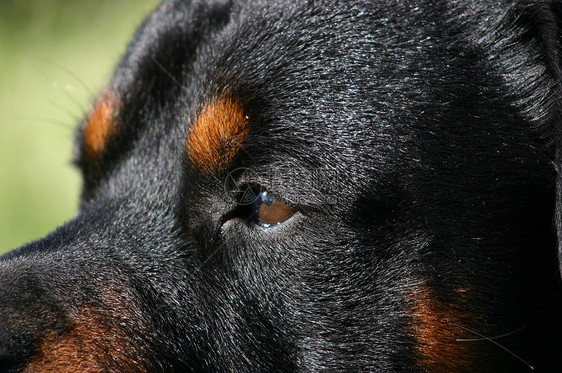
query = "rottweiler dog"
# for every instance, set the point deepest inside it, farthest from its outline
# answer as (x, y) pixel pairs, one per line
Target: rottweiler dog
(307, 186)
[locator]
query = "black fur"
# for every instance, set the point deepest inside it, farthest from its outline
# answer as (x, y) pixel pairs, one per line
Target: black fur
(419, 143)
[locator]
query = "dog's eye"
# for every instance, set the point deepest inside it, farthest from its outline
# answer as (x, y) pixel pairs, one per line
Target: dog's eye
(267, 212)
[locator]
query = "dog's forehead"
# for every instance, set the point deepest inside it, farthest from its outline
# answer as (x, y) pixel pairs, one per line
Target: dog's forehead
(267, 51)
(205, 77)
(302, 69)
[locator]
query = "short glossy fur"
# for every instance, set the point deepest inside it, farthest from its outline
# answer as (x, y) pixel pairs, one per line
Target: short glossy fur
(418, 143)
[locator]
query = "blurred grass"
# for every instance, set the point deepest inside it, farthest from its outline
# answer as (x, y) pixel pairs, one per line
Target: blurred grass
(55, 55)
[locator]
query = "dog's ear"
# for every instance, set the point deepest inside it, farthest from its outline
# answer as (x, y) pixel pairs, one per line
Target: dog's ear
(528, 38)
(553, 31)
(543, 22)
(540, 25)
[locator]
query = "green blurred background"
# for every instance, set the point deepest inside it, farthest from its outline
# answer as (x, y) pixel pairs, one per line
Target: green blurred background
(55, 55)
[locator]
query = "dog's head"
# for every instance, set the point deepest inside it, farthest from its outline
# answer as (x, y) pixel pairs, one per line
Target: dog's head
(308, 186)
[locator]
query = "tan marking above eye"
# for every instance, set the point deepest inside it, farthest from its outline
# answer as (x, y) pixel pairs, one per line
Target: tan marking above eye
(100, 126)
(274, 213)
(217, 135)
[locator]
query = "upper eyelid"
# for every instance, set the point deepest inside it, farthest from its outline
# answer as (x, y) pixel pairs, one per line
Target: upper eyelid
(272, 193)
(290, 193)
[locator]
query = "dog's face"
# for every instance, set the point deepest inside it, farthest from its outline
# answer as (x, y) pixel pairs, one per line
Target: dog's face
(308, 186)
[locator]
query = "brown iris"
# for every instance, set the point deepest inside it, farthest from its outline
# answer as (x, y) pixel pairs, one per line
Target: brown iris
(267, 212)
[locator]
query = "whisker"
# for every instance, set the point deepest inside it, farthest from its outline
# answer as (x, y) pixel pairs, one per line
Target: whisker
(58, 123)
(68, 91)
(72, 74)
(78, 104)
(66, 111)
(497, 344)
(488, 338)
